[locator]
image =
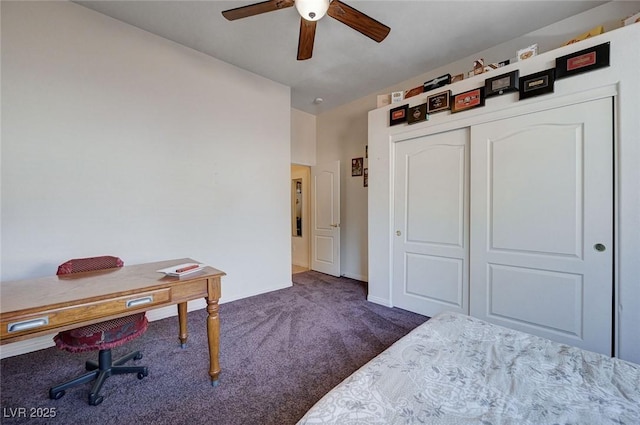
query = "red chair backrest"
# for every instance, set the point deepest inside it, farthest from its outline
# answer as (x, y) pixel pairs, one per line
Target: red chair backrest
(78, 265)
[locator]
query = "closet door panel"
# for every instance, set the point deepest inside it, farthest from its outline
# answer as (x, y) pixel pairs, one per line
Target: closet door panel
(518, 292)
(522, 175)
(430, 245)
(542, 223)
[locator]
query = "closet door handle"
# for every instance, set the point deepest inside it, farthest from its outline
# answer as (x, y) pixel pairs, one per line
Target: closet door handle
(599, 247)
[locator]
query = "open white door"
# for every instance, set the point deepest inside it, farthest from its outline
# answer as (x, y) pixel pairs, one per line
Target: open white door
(325, 218)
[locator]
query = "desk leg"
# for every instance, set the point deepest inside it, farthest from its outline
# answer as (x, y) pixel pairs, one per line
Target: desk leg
(213, 333)
(213, 327)
(182, 319)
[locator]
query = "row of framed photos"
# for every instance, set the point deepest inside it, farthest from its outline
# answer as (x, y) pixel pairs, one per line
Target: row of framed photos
(528, 86)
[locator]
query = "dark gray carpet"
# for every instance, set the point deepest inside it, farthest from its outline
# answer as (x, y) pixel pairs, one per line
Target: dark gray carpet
(280, 352)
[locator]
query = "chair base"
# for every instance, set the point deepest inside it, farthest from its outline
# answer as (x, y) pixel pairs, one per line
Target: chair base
(100, 371)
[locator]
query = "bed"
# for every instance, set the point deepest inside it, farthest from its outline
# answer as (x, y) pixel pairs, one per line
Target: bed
(455, 369)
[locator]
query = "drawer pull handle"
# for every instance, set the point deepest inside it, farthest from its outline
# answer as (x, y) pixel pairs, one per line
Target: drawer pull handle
(28, 324)
(140, 301)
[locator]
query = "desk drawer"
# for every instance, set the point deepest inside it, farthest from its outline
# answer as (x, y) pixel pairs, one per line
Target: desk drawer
(189, 291)
(89, 312)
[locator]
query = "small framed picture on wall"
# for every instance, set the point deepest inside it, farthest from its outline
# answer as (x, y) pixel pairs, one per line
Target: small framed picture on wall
(356, 166)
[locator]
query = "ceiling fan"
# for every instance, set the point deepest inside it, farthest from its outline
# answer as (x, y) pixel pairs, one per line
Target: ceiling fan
(311, 11)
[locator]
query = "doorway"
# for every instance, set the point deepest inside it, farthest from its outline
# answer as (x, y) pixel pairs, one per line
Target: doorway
(325, 218)
(300, 218)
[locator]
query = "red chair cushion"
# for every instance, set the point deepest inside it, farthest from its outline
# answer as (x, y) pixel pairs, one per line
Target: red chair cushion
(104, 335)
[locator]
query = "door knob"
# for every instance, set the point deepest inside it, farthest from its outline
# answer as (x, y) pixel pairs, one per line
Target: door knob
(398, 232)
(599, 247)
(334, 225)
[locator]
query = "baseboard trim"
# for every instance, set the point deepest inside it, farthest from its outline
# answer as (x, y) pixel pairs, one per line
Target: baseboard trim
(26, 346)
(381, 301)
(356, 277)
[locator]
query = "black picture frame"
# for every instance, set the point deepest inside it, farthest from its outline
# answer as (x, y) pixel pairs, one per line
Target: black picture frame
(467, 100)
(417, 113)
(398, 115)
(583, 61)
(501, 84)
(442, 80)
(537, 84)
(439, 102)
(357, 164)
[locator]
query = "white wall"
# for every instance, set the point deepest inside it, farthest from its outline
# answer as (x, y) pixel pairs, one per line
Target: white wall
(619, 80)
(342, 135)
(342, 132)
(303, 138)
(303, 153)
(116, 141)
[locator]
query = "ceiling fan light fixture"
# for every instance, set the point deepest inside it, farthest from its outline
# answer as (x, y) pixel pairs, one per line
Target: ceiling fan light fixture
(312, 10)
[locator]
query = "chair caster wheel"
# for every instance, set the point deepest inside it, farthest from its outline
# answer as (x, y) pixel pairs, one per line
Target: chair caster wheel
(141, 375)
(95, 400)
(138, 356)
(56, 396)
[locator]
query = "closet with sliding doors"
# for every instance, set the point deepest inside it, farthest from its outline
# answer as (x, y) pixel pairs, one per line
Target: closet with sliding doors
(511, 221)
(504, 212)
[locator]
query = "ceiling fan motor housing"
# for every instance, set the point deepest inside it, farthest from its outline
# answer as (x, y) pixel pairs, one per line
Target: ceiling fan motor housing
(312, 10)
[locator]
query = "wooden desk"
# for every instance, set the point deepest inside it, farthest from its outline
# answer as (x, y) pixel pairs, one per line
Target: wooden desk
(34, 307)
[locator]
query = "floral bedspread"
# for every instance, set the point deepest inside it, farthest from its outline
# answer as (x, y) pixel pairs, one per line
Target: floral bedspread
(455, 369)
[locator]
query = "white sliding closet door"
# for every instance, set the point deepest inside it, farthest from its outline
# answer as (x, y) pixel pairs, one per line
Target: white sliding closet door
(542, 223)
(431, 207)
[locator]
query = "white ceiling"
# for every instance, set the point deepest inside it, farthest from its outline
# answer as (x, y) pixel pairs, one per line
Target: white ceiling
(345, 65)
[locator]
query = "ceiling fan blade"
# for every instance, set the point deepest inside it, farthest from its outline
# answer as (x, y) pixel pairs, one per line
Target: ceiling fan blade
(256, 9)
(358, 21)
(307, 37)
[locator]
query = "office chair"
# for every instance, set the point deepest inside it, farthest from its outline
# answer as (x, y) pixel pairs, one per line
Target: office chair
(100, 336)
